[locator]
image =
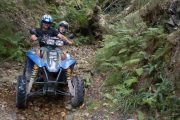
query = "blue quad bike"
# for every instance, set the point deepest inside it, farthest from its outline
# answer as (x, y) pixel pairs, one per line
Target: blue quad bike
(48, 75)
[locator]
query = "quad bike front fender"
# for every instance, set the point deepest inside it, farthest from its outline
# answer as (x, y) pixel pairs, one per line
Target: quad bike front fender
(37, 60)
(67, 63)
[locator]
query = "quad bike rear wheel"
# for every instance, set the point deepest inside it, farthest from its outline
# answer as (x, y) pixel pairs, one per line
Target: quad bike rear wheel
(21, 95)
(79, 90)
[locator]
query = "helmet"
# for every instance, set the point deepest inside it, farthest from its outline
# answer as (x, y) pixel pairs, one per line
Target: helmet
(46, 19)
(64, 24)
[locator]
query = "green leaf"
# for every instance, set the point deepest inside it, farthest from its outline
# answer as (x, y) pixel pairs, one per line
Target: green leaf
(141, 116)
(122, 51)
(160, 52)
(150, 101)
(118, 65)
(108, 96)
(121, 89)
(132, 62)
(139, 71)
(130, 82)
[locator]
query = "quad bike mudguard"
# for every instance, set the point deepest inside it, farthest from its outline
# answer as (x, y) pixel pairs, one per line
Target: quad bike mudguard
(31, 54)
(39, 61)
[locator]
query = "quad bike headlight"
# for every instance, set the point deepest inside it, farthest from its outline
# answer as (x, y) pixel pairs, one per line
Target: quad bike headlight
(59, 43)
(50, 42)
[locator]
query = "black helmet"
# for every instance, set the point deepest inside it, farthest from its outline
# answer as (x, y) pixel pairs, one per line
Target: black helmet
(64, 24)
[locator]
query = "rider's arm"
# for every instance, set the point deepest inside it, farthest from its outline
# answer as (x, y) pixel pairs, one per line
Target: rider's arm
(33, 35)
(64, 38)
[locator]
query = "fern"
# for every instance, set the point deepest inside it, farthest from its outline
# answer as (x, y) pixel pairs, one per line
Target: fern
(124, 53)
(11, 47)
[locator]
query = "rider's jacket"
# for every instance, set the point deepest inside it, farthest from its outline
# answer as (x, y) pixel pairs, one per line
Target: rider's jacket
(41, 33)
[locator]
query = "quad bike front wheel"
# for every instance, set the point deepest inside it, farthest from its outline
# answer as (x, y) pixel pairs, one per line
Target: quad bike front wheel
(21, 94)
(78, 98)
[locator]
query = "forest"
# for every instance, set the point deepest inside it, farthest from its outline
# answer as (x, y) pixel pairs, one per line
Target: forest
(127, 52)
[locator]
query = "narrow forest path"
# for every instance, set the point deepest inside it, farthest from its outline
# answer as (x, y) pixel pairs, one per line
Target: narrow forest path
(44, 108)
(39, 108)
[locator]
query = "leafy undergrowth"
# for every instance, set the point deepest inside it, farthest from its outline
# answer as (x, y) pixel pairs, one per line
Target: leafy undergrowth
(78, 15)
(15, 22)
(136, 59)
(11, 44)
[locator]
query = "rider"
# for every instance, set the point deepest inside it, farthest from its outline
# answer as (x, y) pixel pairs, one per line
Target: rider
(46, 30)
(63, 27)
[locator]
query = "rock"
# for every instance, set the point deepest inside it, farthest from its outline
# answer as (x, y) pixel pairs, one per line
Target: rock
(30, 103)
(36, 109)
(68, 107)
(22, 118)
(63, 114)
(86, 114)
(73, 109)
(2, 107)
(82, 106)
(112, 113)
(105, 104)
(69, 117)
(46, 109)
(95, 108)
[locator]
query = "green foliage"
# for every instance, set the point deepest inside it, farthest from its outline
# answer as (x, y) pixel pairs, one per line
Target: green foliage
(87, 80)
(114, 7)
(69, 12)
(80, 39)
(76, 16)
(11, 46)
(140, 3)
(94, 105)
(128, 102)
(6, 5)
(130, 54)
(56, 13)
(3, 5)
(33, 3)
(141, 116)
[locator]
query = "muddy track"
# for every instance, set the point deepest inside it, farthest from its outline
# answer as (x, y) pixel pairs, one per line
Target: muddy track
(40, 108)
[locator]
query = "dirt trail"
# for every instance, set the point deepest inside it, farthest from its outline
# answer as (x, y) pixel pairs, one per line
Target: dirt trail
(41, 108)
(53, 108)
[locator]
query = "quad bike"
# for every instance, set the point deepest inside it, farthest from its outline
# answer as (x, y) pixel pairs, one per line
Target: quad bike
(49, 75)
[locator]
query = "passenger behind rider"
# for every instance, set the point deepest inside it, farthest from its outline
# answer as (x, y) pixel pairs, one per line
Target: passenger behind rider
(63, 28)
(46, 30)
